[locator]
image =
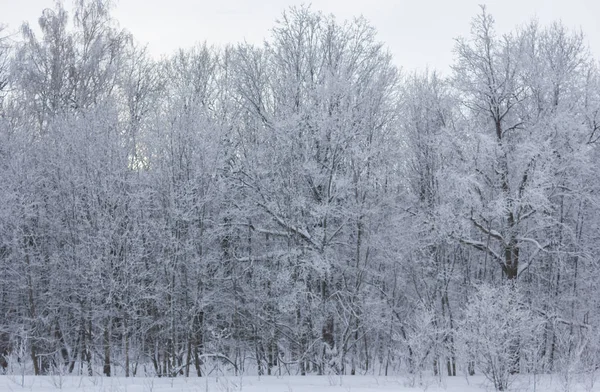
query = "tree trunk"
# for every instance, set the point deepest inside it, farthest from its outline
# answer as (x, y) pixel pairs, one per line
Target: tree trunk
(126, 337)
(106, 342)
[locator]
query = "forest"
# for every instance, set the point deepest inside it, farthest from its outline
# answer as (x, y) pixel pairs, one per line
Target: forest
(304, 206)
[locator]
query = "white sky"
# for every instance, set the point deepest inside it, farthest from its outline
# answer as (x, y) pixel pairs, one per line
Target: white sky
(419, 33)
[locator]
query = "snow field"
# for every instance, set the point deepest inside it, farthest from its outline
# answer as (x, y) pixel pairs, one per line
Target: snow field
(16, 383)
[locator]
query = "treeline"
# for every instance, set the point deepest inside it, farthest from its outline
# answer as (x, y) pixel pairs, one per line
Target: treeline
(301, 206)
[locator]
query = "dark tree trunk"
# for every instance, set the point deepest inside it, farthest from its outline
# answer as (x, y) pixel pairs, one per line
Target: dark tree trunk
(106, 342)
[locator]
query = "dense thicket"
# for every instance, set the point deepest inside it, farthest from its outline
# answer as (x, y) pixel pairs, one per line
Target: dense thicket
(300, 206)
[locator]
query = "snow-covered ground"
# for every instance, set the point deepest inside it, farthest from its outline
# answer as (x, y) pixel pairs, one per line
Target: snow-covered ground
(285, 384)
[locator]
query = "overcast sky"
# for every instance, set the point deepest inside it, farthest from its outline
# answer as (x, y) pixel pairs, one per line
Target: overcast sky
(419, 33)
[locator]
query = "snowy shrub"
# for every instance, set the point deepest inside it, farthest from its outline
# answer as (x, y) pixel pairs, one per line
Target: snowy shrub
(421, 339)
(496, 330)
(577, 360)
